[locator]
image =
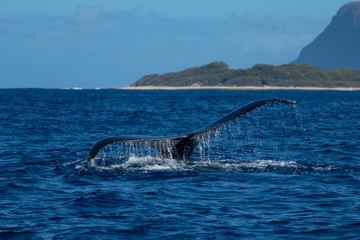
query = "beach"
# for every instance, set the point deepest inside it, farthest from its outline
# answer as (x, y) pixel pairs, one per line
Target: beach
(197, 87)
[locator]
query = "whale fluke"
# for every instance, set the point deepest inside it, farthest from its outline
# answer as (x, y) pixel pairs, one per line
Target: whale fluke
(181, 147)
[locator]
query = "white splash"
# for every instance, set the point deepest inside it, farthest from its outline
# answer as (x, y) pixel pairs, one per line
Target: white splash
(151, 163)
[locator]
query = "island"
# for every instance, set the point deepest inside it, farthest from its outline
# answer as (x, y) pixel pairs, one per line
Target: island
(331, 61)
(219, 75)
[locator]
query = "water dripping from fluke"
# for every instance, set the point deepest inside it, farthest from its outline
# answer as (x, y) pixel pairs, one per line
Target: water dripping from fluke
(178, 148)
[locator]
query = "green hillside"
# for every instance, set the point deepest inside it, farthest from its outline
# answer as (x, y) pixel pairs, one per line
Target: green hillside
(287, 75)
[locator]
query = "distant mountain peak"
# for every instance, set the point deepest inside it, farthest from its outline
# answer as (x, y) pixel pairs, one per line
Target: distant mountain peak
(351, 12)
(339, 45)
(352, 6)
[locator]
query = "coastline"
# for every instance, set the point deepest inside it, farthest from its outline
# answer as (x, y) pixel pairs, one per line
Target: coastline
(239, 88)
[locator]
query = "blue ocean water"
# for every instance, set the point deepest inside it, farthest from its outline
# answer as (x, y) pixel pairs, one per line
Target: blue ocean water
(280, 172)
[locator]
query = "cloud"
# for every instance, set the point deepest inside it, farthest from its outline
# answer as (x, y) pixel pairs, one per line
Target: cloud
(88, 15)
(87, 20)
(94, 21)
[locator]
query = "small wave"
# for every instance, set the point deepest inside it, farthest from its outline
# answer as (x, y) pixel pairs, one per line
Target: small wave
(73, 162)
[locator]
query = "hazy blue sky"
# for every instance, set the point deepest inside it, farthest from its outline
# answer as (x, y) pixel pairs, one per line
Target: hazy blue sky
(113, 43)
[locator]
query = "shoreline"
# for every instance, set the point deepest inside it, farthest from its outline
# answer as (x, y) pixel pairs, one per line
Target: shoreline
(240, 88)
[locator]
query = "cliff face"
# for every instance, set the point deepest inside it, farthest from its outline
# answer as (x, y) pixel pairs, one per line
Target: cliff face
(339, 45)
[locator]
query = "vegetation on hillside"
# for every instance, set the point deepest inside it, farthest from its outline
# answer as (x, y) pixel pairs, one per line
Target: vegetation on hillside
(287, 75)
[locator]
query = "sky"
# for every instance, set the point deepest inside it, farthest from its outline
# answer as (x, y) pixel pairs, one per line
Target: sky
(113, 43)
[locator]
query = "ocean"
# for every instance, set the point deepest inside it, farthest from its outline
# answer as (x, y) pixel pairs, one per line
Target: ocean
(280, 172)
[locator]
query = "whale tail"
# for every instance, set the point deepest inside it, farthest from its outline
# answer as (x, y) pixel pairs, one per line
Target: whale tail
(181, 147)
